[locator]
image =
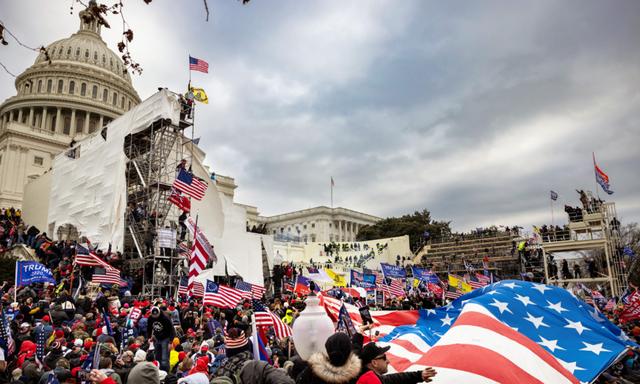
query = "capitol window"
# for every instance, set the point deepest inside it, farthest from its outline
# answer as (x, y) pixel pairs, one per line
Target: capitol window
(105, 95)
(49, 85)
(86, 54)
(95, 56)
(94, 92)
(69, 51)
(104, 59)
(77, 51)
(115, 98)
(83, 89)
(39, 86)
(122, 103)
(72, 87)
(313, 225)
(37, 160)
(60, 85)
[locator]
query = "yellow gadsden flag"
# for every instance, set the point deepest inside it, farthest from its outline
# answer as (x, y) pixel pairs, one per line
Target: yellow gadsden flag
(200, 95)
(338, 280)
(457, 282)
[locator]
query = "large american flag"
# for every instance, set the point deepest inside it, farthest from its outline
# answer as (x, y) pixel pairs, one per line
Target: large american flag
(254, 290)
(199, 65)
(265, 318)
(582, 340)
(190, 185)
(507, 355)
(221, 296)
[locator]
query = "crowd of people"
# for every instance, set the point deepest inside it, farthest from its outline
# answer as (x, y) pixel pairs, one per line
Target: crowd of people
(70, 332)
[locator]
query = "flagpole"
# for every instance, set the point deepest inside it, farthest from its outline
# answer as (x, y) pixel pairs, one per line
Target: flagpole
(594, 174)
(551, 205)
(15, 285)
(254, 336)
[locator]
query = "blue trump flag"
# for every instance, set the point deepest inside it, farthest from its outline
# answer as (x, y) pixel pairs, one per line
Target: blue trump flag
(29, 272)
(425, 275)
(576, 334)
(393, 271)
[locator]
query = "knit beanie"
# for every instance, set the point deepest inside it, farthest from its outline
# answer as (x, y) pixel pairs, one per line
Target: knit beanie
(144, 373)
(338, 348)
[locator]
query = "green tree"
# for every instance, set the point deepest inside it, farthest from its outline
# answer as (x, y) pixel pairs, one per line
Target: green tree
(415, 225)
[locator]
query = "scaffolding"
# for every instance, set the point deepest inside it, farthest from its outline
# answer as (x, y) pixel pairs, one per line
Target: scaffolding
(153, 157)
(595, 233)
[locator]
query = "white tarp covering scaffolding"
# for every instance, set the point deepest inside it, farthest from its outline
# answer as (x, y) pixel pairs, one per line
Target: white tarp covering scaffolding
(89, 191)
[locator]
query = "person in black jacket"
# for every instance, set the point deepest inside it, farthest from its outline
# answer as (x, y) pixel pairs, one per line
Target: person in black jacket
(375, 365)
(160, 330)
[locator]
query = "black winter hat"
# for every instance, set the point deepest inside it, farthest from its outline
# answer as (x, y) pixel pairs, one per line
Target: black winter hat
(338, 348)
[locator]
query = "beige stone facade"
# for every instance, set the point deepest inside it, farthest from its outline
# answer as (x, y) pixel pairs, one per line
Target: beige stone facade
(83, 88)
(319, 224)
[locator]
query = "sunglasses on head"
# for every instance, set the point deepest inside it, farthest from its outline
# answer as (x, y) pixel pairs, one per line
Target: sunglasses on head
(383, 357)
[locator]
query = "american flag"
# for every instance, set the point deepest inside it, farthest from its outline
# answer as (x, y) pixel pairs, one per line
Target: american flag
(183, 288)
(395, 289)
(265, 318)
(183, 249)
(199, 65)
(473, 281)
(287, 287)
(611, 304)
(582, 340)
(6, 340)
(221, 296)
(182, 202)
(107, 276)
(255, 290)
(201, 252)
(507, 355)
(452, 293)
(92, 260)
(190, 185)
(483, 279)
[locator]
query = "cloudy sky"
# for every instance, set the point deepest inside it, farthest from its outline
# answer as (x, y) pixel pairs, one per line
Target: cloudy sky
(473, 110)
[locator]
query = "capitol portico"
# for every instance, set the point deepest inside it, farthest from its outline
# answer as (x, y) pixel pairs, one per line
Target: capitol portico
(80, 87)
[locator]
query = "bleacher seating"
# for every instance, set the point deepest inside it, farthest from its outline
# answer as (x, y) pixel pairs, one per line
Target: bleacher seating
(450, 254)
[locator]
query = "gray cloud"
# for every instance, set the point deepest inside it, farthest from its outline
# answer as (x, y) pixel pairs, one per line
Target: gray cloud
(472, 110)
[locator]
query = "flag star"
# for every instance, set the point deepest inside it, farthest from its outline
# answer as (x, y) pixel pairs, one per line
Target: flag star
(525, 300)
(577, 326)
(541, 288)
(510, 285)
(447, 320)
(557, 307)
(552, 345)
(571, 367)
(536, 321)
(595, 348)
(502, 306)
(430, 312)
(493, 293)
(623, 336)
(464, 302)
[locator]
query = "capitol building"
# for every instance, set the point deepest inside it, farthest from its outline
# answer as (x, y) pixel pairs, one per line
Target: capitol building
(80, 87)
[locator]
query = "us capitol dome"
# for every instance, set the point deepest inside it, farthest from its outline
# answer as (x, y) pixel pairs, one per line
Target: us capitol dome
(81, 86)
